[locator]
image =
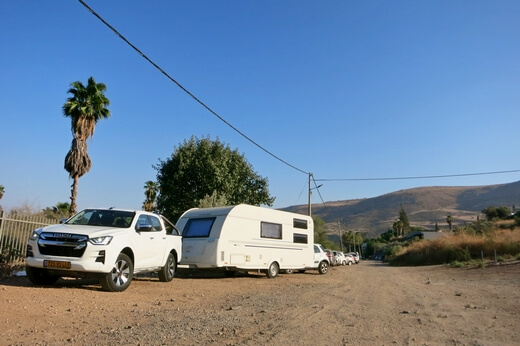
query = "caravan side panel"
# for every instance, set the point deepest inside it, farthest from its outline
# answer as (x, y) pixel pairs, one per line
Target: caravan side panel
(246, 238)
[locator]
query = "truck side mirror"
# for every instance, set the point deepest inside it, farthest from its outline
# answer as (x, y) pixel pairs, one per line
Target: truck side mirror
(144, 227)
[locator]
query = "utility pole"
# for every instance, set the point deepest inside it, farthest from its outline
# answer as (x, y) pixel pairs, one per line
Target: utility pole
(340, 240)
(310, 194)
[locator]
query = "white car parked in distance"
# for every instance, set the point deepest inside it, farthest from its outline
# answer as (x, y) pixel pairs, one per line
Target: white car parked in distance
(339, 258)
(355, 255)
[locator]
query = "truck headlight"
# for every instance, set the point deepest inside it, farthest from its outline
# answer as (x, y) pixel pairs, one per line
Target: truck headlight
(101, 240)
(35, 234)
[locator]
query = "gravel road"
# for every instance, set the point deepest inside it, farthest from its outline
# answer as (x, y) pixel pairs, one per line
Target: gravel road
(365, 304)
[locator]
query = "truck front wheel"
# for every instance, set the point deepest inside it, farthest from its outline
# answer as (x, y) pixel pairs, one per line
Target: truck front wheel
(167, 272)
(120, 276)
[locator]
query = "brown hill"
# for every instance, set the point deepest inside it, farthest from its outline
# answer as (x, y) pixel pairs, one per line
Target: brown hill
(424, 207)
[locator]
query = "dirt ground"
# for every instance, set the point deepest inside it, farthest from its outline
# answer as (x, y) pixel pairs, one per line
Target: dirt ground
(365, 304)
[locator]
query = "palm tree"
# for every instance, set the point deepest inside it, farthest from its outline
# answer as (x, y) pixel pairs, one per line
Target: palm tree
(150, 191)
(398, 227)
(1, 195)
(59, 211)
(449, 220)
(85, 107)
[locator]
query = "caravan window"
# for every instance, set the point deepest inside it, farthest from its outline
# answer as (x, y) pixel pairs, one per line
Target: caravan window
(300, 238)
(299, 223)
(271, 230)
(198, 228)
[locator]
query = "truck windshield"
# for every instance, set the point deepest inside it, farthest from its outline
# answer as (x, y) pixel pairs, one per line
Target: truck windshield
(103, 217)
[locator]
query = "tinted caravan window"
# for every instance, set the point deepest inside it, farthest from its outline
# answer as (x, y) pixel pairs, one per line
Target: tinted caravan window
(299, 223)
(271, 230)
(198, 228)
(300, 238)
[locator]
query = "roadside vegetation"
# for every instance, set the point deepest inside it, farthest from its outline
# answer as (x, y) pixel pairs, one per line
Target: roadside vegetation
(11, 253)
(494, 240)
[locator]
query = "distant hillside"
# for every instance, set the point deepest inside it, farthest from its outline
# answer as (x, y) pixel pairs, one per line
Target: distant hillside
(424, 206)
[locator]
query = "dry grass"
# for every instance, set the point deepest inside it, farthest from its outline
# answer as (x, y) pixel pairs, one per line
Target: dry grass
(505, 243)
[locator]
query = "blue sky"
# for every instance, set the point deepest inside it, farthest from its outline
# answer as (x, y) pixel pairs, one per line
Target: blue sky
(341, 89)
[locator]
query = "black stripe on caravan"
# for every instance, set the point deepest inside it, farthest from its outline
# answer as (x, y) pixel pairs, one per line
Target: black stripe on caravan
(273, 247)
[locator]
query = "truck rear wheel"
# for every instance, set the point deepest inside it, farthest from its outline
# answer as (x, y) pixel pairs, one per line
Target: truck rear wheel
(273, 270)
(323, 267)
(120, 276)
(167, 272)
(39, 276)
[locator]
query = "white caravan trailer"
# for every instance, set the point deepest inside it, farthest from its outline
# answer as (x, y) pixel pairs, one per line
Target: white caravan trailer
(247, 238)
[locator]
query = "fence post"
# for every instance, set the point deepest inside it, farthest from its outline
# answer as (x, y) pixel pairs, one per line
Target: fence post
(1, 228)
(15, 230)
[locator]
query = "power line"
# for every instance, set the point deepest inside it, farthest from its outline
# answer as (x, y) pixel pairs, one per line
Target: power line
(258, 145)
(316, 186)
(420, 177)
(186, 90)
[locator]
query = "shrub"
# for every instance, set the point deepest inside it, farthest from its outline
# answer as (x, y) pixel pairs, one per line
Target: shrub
(460, 248)
(481, 264)
(7, 255)
(457, 264)
(474, 228)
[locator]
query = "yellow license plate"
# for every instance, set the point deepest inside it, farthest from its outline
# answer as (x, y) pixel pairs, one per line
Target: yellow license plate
(56, 264)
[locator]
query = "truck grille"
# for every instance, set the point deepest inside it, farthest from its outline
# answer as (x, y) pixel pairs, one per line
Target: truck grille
(62, 244)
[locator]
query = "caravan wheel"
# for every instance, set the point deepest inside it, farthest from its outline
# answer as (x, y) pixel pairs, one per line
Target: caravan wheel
(273, 270)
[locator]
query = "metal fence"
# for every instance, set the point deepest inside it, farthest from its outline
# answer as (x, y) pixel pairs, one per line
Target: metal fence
(15, 230)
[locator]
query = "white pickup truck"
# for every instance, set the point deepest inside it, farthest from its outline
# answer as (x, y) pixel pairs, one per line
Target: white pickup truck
(108, 244)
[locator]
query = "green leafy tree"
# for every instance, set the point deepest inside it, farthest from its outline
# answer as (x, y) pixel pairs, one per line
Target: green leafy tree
(373, 246)
(496, 212)
(213, 201)
(449, 220)
(201, 167)
(151, 189)
(405, 222)
(398, 228)
(59, 211)
(503, 212)
(346, 240)
(320, 234)
(358, 240)
(352, 240)
(2, 190)
(87, 105)
(387, 236)
(490, 212)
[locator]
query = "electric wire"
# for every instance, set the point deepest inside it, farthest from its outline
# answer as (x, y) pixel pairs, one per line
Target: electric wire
(258, 145)
(421, 177)
(318, 189)
(186, 90)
